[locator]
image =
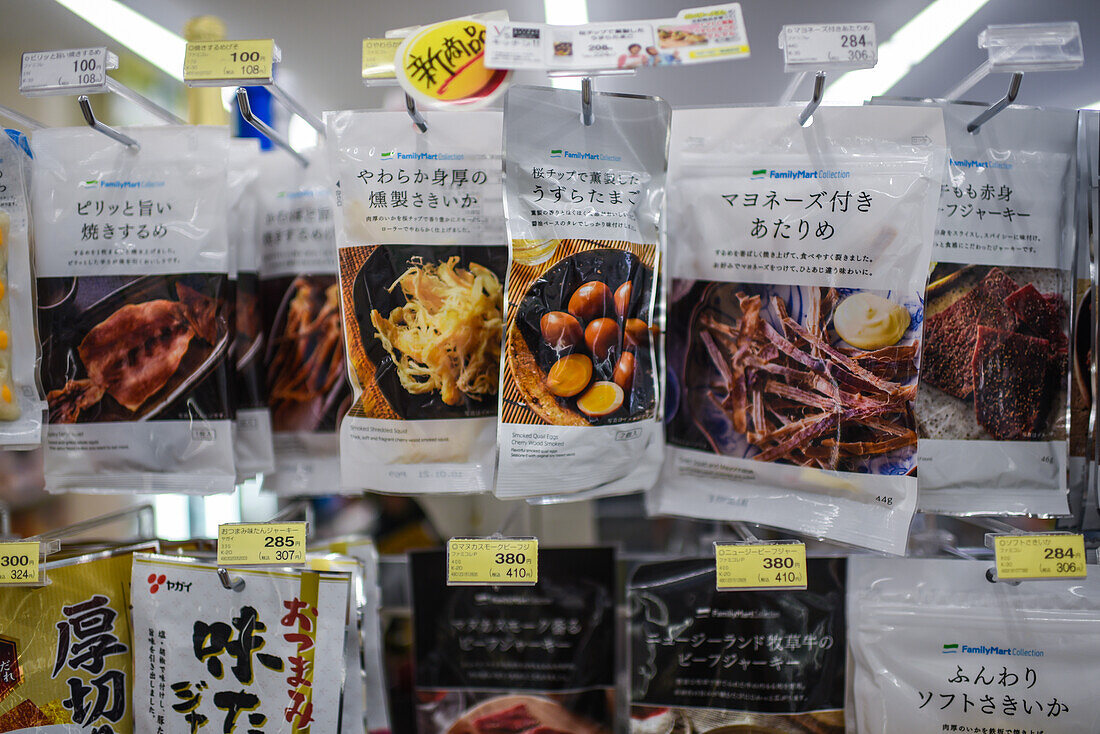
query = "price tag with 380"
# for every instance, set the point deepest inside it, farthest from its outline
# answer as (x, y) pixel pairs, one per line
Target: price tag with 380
(751, 566)
(262, 544)
(492, 561)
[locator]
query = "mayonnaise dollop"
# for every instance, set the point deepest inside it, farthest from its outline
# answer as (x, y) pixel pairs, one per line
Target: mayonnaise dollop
(867, 321)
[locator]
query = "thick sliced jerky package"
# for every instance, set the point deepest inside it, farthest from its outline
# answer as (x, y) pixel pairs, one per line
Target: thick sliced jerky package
(761, 661)
(580, 404)
(935, 647)
(307, 388)
(992, 409)
(252, 444)
(132, 263)
(269, 657)
(22, 409)
(422, 257)
(798, 259)
(66, 649)
(516, 660)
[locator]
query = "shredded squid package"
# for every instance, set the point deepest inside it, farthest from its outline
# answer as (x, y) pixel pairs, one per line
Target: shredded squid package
(132, 264)
(252, 444)
(992, 409)
(580, 404)
(422, 266)
(303, 353)
(21, 406)
(798, 259)
(935, 647)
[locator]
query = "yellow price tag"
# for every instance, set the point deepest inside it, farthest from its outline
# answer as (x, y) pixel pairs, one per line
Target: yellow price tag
(1056, 556)
(19, 563)
(378, 57)
(492, 561)
(229, 62)
(262, 543)
(747, 566)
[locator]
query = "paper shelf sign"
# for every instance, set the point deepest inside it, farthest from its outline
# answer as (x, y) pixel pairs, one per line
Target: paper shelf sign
(828, 47)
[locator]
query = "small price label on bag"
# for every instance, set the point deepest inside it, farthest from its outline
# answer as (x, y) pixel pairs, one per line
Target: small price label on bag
(492, 561)
(829, 46)
(1055, 556)
(19, 563)
(750, 566)
(226, 63)
(262, 543)
(71, 71)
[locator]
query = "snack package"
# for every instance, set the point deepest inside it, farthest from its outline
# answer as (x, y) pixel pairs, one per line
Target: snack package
(516, 659)
(762, 661)
(252, 445)
(798, 260)
(132, 265)
(422, 267)
(580, 404)
(992, 409)
(933, 646)
(353, 696)
(303, 354)
(269, 657)
(21, 406)
(66, 649)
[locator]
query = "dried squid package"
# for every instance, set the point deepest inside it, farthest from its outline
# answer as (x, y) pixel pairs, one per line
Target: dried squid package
(132, 264)
(580, 411)
(995, 374)
(798, 258)
(303, 353)
(935, 647)
(423, 259)
(21, 406)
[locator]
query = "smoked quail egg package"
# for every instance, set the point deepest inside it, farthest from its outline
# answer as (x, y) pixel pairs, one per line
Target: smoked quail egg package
(580, 400)
(132, 264)
(422, 259)
(798, 257)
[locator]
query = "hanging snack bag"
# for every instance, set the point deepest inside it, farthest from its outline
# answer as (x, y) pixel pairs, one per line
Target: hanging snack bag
(706, 660)
(66, 649)
(252, 445)
(992, 409)
(422, 267)
(21, 406)
(303, 353)
(516, 659)
(132, 264)
(579, 402)
(935, 647)
(798, 259)
(268, 657)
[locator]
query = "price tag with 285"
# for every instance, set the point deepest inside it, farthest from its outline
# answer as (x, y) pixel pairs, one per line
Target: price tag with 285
(492, 561)
(262, 543)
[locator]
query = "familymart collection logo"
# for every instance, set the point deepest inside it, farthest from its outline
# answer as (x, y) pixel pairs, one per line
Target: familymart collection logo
(563, 153)
(797, 174)
(95, 183)
(397, 155)
(954, 648)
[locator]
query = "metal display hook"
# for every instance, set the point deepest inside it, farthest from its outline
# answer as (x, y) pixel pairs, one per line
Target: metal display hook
(28, 122)
(301, 507)
(126, 93)
(996, 107)
(587, 115)
(90, 118)
(815, 99)
(5, 521)
(265, 129)
(414, 113)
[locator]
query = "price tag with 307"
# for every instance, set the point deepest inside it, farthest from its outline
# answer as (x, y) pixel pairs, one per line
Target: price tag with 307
(492, 561)
(1053, 556)
(262, 543)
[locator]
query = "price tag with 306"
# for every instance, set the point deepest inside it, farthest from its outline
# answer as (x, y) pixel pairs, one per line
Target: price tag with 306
(262, 544)
(492, 561)
(1052, 556)
(829, 46)
(751, 566)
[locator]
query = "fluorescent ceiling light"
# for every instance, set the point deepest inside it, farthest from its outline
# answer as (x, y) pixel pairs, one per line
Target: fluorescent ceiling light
(910, 45)
(1094, 106)
(566, 12)
(153, 42)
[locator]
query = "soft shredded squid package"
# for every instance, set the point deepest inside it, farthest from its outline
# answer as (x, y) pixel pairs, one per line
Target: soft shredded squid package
(580, 404)
(132, 264)
(933, 646)
(422, 263)
(303, 352)
(798, 257)
(992, 409)
(21, 406)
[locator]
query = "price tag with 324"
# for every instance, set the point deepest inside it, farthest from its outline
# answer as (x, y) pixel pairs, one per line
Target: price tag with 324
(19, 563)
(492, 561)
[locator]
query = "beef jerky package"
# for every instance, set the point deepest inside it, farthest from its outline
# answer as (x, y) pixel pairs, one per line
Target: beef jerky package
(252, 445)
(268, 657)
(22, 409)
(992, 409)
(516, 659)
(132, 264)
(751, 661)
(66, 649)
(935, 647)
(303, 353)
(798, 259)
(580, 411)
(420, 230)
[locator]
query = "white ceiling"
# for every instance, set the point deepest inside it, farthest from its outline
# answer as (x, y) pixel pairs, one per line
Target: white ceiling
(320, 41)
